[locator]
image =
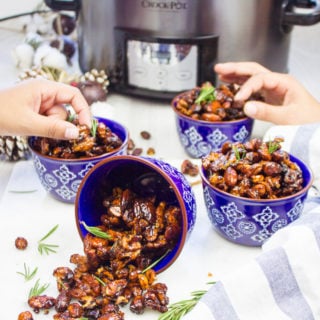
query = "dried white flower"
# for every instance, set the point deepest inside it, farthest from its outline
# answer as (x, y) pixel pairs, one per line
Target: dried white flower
(48, 56)
(23, 55)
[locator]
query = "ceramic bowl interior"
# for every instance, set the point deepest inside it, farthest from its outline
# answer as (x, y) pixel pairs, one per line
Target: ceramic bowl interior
(249, 221)
(62, 177)
(145, 177)
(199, 137)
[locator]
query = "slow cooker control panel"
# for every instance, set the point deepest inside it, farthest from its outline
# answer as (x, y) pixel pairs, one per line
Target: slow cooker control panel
(162, 66)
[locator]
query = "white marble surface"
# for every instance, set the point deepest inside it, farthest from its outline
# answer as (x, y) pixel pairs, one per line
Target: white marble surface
(33, 214)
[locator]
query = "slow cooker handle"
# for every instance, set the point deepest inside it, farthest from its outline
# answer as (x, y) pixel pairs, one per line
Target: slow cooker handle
(69, 5)
(303, 19)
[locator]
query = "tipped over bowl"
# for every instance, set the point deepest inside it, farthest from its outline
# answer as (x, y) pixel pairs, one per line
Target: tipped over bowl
(142, 196)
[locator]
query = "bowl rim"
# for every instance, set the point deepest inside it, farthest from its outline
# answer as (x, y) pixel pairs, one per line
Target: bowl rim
(144, 161)
(82, 159)
(204, 122)
(260, 201)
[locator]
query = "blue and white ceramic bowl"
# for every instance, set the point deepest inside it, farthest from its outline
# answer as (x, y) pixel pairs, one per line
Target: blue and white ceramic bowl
(146, 177)
(62, 177)
(249, 221)
(200, 137)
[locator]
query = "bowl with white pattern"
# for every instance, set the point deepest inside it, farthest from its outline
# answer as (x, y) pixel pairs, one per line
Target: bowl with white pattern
(199, 135)
(158, 187)
(60, 177)
(249, 209)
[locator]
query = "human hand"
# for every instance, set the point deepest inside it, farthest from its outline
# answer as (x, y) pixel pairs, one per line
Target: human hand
(36, 107)
(286, 100)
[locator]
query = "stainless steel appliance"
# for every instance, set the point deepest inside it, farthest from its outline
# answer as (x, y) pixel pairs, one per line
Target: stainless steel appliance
(157, 48)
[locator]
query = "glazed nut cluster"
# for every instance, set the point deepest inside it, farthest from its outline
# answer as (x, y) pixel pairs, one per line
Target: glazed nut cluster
(116, 270)
(86, 145)
(255, 169)
(212, 104)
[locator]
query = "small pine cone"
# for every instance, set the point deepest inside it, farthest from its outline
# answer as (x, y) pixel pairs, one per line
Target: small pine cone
(96, 76)
(14, 148)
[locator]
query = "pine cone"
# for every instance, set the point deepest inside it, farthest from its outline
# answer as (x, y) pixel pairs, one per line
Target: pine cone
(14, 148)
(96, 76)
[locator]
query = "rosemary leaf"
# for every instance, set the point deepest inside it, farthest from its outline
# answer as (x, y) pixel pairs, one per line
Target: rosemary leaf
(27, 273)
(96, 231)
(155, 262)
(236, 152)
(49, 233)
(94, 126)
(45, 248)
(240, 154)
(273, 146)
(38, 289)
(99, 280)
(206, 94)
(178, 309)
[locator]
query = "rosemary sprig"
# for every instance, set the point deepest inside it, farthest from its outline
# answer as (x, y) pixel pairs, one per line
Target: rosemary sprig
(178, 309)
(96, 231)
(273, 146)
(206, 94)
(238, 154)
(45, 247)
(94, 126)
(38, 289)
(27, 273)
(99, 280)
(155, 262)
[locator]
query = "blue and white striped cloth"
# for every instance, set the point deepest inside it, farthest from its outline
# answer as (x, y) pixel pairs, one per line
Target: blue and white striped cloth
(283, 282)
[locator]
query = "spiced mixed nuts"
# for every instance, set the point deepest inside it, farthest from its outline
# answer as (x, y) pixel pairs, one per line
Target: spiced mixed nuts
(212, 104)
(254, 169)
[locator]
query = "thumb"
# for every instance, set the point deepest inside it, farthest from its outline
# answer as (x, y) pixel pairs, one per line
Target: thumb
(265, 112)
(55, 128)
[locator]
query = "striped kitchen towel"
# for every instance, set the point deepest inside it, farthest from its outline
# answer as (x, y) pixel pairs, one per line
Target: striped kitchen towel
(283, 282)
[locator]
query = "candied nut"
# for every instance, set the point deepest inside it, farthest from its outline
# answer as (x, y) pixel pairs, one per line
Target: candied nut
(75, 310)
(21, 243)
(211, 117)
(230, 177)
(215, 105)
(137, 151)
(145, 135)
(137, 305)
(272, 168)
(112, 273)
(151, 151)
(254, 169)
(88, 144)
(41, 302)
(62, 301)
(187, 167)
(25, 315)
(131, 144)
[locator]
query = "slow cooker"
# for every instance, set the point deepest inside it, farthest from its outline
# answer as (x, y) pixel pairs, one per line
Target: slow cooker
(157, 48)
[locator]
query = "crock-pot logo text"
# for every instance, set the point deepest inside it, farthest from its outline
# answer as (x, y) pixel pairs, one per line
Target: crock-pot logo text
(167, 5)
